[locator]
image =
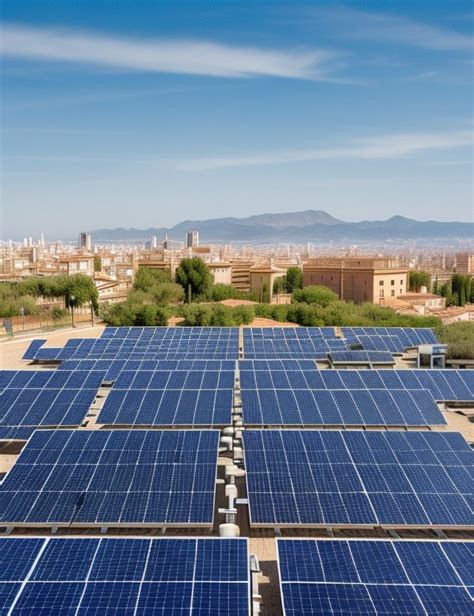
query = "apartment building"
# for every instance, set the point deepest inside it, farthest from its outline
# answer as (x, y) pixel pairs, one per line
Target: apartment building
(358, 279)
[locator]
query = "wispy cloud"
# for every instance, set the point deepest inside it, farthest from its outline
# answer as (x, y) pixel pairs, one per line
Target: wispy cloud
(388, 28)
(373, 148)
(168, 56)
(384, 147)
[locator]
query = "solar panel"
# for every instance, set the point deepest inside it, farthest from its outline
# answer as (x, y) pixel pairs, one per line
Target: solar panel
(33, 348)
(375, 577)
(358, 478)
(290, 342)
(361, 357)
(153, 343)
(122, 477)
(124, 576)
(46, 398)
(171, 397)
(394, 339)
(273, 395)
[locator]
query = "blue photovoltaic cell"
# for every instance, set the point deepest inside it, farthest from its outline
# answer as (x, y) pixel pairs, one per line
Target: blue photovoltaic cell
(124, 576)
(153, 344)
(171, 397)
(123, 477)
(30, 399)
(303, 395)
(357, 577)
(325, 478)
(394, 339)
(33, 348)
(290, 342)
(361, 357)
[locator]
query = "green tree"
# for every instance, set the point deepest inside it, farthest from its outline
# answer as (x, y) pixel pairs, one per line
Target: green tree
(195, 278)
(97, 263)
(146, 278)
(279, 286)
(460, 339)
(418, 279)
(461, 288)
(294, 279)
(316, 294)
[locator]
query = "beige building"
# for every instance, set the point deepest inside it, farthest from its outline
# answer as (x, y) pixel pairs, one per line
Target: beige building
(240, 274)
(358, 279)
(262, 279)
(426, 301)
(76, 265)
(465, 263)
(222, 272)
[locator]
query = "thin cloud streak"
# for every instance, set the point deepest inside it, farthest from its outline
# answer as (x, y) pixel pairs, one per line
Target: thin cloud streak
(168, 56)
(375, 148)
(393, 29)
(384, 147)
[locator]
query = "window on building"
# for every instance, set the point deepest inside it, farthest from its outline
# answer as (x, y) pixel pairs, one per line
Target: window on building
(401, 282)
(381, 283)
(331, 278)
(392, 282)
(381, 293)
(392, 293)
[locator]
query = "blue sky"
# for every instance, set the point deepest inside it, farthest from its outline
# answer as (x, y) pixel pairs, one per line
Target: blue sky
(148, 113)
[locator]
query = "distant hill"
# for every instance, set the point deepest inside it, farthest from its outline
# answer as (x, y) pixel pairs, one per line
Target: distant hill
(295, 227)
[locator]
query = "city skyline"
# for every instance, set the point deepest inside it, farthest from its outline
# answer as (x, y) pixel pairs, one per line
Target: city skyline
(145, 117)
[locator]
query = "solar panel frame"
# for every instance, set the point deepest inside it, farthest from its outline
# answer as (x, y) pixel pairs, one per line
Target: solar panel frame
(372, 576)
(33, 399)
(358, 479)
(127, 574)
(97, 478)
(176, 397)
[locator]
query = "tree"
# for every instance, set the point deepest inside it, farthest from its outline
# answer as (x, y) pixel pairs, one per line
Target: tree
(167, 293)
(294, 279)
(418, 279)
(195, 278)
(279, 286)
(316, 294)
(146, 278)
(461, 287)
(83, 289)
(97, 263)
(460, 339)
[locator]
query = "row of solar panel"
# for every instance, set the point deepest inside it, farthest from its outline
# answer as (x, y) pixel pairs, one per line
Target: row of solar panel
(361, 357)
(352, 577)
(30, 399)
(328, 478)
(375, 407)
(124, 576)
(207, 576)
(209, 343)
(445, 385)
(168, 478)
(113, 477)
(194, 397)
(181, 332)
(168, 407)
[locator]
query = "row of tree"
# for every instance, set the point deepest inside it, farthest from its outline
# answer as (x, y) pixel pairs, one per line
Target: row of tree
(18, 298)
(458, 290)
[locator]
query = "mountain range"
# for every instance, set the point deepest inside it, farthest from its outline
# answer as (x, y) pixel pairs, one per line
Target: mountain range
(294, 227)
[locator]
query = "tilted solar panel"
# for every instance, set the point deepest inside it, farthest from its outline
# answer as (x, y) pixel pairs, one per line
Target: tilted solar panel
(356, 478)
(46, 398)
(361, 357)
(124, 576)
(186, 397)
(123, 477)
(375, 577)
